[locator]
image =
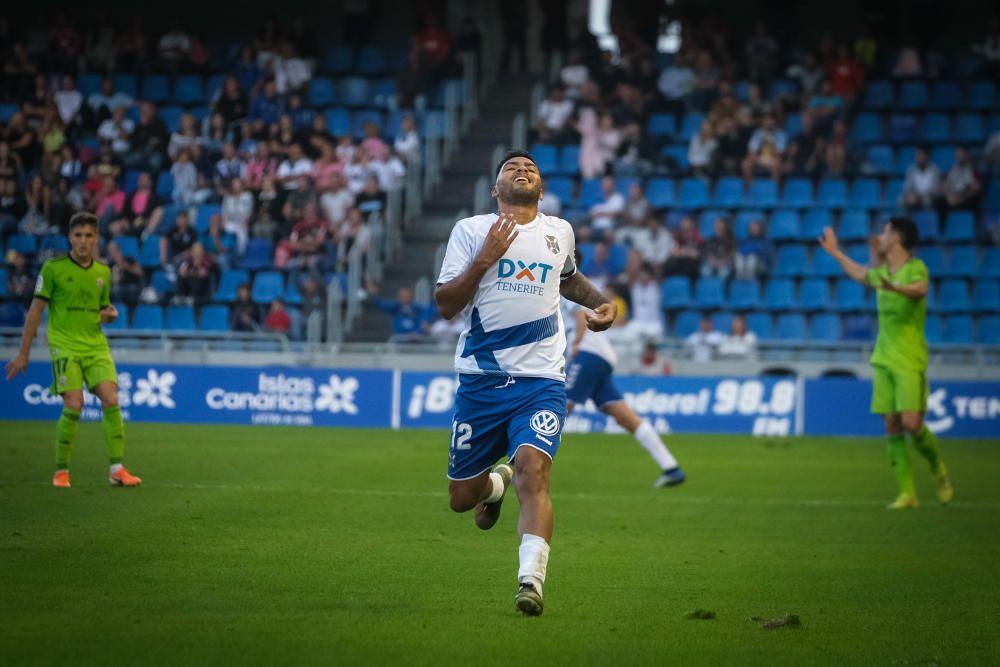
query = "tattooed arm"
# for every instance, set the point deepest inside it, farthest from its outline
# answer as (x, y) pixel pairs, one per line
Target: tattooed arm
(579, 290)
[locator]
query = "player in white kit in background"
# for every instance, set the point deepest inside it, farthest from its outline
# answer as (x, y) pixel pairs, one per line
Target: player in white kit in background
(591, 376)
(505, 275)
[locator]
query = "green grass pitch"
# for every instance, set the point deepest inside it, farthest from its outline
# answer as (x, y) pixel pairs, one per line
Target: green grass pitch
(261, 545)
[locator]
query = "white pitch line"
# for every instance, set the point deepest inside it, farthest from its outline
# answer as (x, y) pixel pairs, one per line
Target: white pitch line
(668, 496)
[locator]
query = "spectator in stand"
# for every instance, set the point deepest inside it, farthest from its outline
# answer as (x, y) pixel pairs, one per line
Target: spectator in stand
(19, 71)
(143, 210)
(149, 140)
(409, 320)
(269, 204)
(231, 101)
(846, 75)
(701, 151)
(305, 246)
(371, 199)
(185, 178)
(704, 342)
(175, 244)
(651, 364)
(316, 136)
(117, 130)
(10, 164)
(600, 143)
(825, 106)
(550, 203)
(174, 47)
(637, 207)
(247, 72)
(20, 279)
(741, 343)
(705, 81)
(753, 259)
(336, 201)
(555, 117)
(296, 201)
(295, 165)
(991, 151)
(762, 53)
(720, 251)
(261, 167)
(732, 145)
(653, 242)
(908, 65)
(278, 320)
(407, 142)
(372, 144)
(989, 51)
(413, 82)
(390, 172)
(237, 209)
(838, 149)
(326, 168)
(68, 101)
(283, 136)
(103, 104)
(807, 72)
(432, 43)
(109, 201)
(675, 83)
(229, 167)
(646, 321)
(574, 74)
(127, 276)
(685, 258)
(196, 275)
(244, 315)
(353, 237)
(606, 214)
(291, 73)
(13, 207)
(922, 187)
(52, 134)
(313, 299)
(266, 108)
(765, 151)
(962, 185)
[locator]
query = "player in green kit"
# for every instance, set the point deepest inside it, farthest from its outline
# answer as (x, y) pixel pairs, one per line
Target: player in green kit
(899, 361)
(76, 288)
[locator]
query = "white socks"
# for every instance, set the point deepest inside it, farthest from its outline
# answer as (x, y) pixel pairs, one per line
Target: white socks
(496, 482)
(534, 558)
(650, 441)
(115, 467)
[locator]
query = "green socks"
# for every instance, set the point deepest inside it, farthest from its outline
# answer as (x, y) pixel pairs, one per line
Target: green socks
(926, 443)
(114, 433)
(65, 434)
(900, 460)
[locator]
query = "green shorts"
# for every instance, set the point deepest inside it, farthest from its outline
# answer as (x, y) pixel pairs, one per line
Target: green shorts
(895, 391)
(71, 373)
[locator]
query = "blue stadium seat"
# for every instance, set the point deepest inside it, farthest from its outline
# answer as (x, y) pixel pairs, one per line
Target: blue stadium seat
(706, 221)
(933, 258)
(3, 282)
(590, 192)
(155, 88)
(7, 110)
(569, 159)
(981, 95)
(120, 323)
(970, 129)
(914, 95)
(785, 226)
(793, 125)
(928, 224)
(214, 318)
(624, 183)
(903, 129)
(904, 158)
(782, 88)
(354, 92)
(945, 96)
(728, 192)
(448, 90)
(660, 192)
(147, 317)
(213, 86)
(893, 194)
(763, 192)
(741, 224)
(779, 294)
(26, 244)
(986, 296)
(259, 255)
(867, 128)
(171, 117)
(792, 262)
(338, 120)
(790, 326)
(709, 293)
(824, 327)
(129, 245)
(798, 193)
(54, 243)
(879, 95)
(371, 60)
(362, 117)
(957, 329)
(760, 324)
(832, 193)
(267, 286)
(321, 92)
(189, 90)
(943, 157)
(854, 226)
(149, 253)
(292, 295)
(693, 193)
(848, 295)
(814, 223)
(934, 329)
(338, 60)
(126, 83)
(165, 184)
(962, 262)
(865, 193)
(960, 227)
(203, 216)
(722, 322)
(936, 128)
(687, 323)
(662, 125)
(814, 294)
(131, 183)
(990, 265)
(691, 125)
(744, 294)
(617, 257)
(384, 93)
(879, 159)
(989, 330)
(179, 318)
(161, 283)
(230, 280)
(675, 156)
(88, 84)
(561, 187)
(546, 157)
(953, 296)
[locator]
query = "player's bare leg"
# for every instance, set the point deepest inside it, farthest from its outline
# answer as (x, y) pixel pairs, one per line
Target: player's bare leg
(531, 479)
(484, 492)
(114, 435)
(647, 436)
(899, 458)
(925, 442)
(65, 436)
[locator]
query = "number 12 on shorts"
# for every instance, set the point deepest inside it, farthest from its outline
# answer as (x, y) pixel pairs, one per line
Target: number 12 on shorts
(460, 435)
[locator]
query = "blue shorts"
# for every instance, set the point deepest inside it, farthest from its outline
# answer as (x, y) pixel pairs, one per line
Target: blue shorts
(494, 415)
(590, 376)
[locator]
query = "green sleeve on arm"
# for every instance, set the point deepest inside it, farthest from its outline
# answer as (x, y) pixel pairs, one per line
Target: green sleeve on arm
(872, 277)
(918, 273)
(44, 286)
(106, 289)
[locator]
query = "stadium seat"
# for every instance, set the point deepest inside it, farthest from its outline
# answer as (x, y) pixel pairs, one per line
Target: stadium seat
(149, 253)
(728, 192)
(161, 283)
(449, 91)
(179, 318)
(832, 193)
(129, 245)
(88, 84)
(131, 183)
(763, 193)
(986, 296)
(879, 159)
(7, 110)
(990, 265)
(933, 258)
(779, 294)
(782, 88)
(120, 323)
(590, 192)
(371, 61)
(165, 185)
(867, 128)
(824, 327)
(338, 60)
(957, 329)
(928, 224)
(798, 193)
(617, 257)
(934, 329)
(903, 129)
(785, 226)
(383, 93)
(546, 157)
(848, 295)
(569, 159)
(354, 92)
(741, 223)
(793, 125)
(189, 90)
(26, 244)
(267, 286)
(214, 318)
(722, 322)
(959, 227)
(126, 83)
(675, 156)
(854, 226)
(879, 95)
(943, 157)
(790, 326)
(292, 295)
(709, 293)
(760, 324)
(661, 125)
(54, 243)
(561, 187)
(935, 128)
(961, 263)
(171, 117)
(213, 86)
(660, 192)
(693, 193)
(687, 323)
(706, 221)
(953, 296)
(945, 96)
(913, 95)
(814, 223)
(865, 193)
(824, 266)
(893, 194)
(360, 118)
(3, 282)
(230, 280)
(691, 125)
(203, 216)
(988, 331)
(321, 92)
(792, 261)
(970, 129)
(338, 120)
(905, 156)
(814, 294)
(744, 294)
(155, 88)
(981, 95)
(259, 255)
(147, 317)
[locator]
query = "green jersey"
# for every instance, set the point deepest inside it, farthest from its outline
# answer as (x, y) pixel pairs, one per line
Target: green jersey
(901, 344)
(75, 296)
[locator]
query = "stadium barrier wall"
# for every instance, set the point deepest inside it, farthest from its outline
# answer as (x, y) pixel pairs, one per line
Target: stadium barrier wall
(366, 398)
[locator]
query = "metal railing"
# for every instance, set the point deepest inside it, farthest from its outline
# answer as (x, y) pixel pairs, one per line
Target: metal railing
(519, 131)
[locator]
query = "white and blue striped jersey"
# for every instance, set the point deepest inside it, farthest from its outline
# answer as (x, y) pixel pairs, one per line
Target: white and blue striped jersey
(513, 325)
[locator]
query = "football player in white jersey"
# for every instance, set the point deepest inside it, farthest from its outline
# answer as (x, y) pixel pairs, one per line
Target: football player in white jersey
(504, 275)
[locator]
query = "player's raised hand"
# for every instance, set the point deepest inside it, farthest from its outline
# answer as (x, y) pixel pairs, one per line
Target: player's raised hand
(109, 314)
(829, 241)
(603, 317)
(16, 365)
(502, 233)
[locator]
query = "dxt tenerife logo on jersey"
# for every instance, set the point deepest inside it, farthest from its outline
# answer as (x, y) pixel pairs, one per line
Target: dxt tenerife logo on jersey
(528, 277)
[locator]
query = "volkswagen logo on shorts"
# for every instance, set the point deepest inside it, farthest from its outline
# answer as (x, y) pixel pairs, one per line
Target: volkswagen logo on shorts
(545, 422)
